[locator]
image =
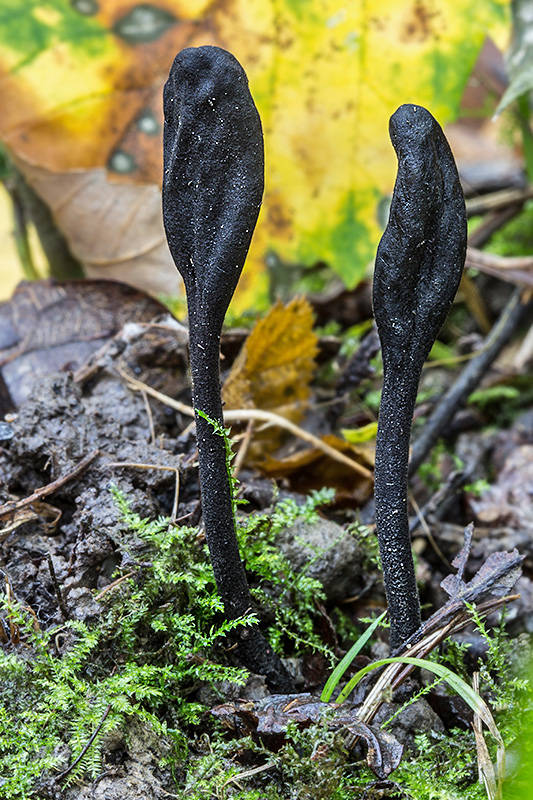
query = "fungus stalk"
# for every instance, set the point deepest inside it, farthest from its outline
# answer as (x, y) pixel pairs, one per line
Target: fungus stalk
(212, 191)
(419, 263)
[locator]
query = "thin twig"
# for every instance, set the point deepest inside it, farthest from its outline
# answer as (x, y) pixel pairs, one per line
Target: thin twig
(174, 512)
(245, 414)
(50, 488)
(113, 585)
(139, 465)
(57, 588)
(516, 270)
(164, 468)
(243, 449)
(85, 749)
(476, 258)
(150, 417)
(139, 386)
(492, 223)
(495, 200)
(427, 531)
(247, 774)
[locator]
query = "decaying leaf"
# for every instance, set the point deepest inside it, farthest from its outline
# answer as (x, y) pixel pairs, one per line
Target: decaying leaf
(366, 433)
(114, 229)
(49, 514)
(496, 576)
(47, 327)
(269, 718)
(326, 77)
(494, 579)
(509, 501)
(275, 366)
(311, 469)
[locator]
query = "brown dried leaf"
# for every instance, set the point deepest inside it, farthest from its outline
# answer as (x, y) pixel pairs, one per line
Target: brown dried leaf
(47, 327)
(496, 576)
(114, 229)
(270, 717)
(275, 366)
(509, 501)
(49, 514)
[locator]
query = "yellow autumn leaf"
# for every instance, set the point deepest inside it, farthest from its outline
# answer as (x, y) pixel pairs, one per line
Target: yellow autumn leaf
(275, 366)
(80, 85)
(366, 433)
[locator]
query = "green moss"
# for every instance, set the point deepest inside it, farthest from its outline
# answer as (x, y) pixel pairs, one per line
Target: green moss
(515, 238)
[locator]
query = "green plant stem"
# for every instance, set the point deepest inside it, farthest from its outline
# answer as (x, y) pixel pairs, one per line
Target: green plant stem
(22, 242)
(524, 116)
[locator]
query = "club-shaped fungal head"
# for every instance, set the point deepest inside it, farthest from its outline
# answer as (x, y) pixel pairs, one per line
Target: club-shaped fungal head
(421, 255)
(213, 175)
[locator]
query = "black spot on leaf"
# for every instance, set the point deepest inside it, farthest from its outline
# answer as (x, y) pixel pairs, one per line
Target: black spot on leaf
(144, 23)
(147, 123)
(121, 162)
(85, 7)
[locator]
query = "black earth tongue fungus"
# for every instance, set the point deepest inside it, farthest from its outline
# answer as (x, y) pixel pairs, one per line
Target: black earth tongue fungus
(419, 263)
(212, 190)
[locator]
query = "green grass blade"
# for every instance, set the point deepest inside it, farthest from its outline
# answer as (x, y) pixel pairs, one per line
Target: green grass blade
(476, 703)
(343, 665)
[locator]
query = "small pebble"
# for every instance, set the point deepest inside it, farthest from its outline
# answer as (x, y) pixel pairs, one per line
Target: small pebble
(6, 432)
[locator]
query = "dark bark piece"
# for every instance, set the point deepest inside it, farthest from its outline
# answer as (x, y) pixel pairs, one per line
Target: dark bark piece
(212, 189)
(496, 576)
(418, 268)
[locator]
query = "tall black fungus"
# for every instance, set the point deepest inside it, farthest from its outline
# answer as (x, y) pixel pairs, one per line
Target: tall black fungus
(418, 268)
(212, 190)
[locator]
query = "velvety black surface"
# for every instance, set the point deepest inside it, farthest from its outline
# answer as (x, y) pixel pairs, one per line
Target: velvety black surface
(212, 189)
(213, 174)
(418, 268)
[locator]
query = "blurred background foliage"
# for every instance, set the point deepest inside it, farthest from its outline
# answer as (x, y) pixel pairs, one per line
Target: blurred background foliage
(80, 87)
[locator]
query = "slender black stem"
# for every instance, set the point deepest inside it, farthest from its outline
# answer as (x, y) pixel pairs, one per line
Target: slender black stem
(217, 508)
(214, 481)
(212, 190)
(86, 747)
(392, 523)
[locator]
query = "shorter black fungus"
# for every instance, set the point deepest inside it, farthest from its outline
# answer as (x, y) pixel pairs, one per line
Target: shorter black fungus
(419, 263)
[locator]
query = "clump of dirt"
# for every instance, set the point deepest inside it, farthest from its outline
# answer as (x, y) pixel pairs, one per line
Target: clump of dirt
(63, 421)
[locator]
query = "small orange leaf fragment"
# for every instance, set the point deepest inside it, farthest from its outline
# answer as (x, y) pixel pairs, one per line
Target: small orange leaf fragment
(273, 371)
